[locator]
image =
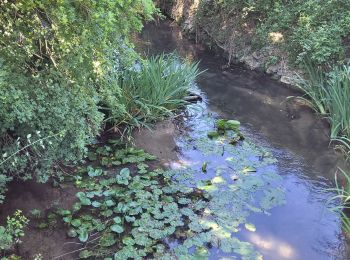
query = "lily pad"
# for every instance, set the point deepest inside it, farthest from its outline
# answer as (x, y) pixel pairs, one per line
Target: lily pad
(117, 228)
(83, 235)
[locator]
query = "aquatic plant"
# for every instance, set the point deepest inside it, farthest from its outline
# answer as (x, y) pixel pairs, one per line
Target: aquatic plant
(154, 89)
(342, 200)
(128, 209)
(328, 94)
(338, 100)
(314, 87)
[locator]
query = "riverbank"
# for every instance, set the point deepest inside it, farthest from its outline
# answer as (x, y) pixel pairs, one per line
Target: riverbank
(226, 36)
(272, 37)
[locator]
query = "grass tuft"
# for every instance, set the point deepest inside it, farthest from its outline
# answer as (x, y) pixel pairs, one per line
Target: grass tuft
(154, 89)
(329, 94)
(342, 195)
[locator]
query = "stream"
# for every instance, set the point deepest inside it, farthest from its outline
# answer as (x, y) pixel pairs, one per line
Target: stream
(257, 191)
(284, 167)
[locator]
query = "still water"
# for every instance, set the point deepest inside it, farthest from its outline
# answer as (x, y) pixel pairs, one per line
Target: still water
(303, 227)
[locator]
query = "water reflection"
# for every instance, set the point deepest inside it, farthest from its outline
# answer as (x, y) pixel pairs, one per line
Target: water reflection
(303, 228)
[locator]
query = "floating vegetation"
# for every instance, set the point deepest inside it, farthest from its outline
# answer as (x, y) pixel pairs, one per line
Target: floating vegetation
(127, 208)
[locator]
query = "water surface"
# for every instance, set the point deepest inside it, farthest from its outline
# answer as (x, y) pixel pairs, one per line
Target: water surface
(302, 228)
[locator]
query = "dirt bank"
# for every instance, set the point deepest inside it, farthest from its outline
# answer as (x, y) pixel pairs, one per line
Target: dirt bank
(226, 34)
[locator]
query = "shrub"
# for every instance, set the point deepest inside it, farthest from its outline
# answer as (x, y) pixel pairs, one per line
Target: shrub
(13, 231)
(59, 60)
(310, 28)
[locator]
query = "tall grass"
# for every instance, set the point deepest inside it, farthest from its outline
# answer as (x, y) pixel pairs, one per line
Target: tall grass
(338, 93)
(155, 89)
(314, 87)
(329, 94)
(343, 196)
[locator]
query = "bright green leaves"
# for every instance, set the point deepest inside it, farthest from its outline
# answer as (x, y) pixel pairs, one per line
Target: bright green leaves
(107, 240)
(138, 208)
(76, 222)
(123, 176)
(83, 235)
(128, 241)
(94, 172)
(117, 228)
(109, 203)
(84, 200)
(117, 220)
(96, 204)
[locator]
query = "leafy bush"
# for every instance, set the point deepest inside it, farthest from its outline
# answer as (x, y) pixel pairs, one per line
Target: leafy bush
(59, 60)
(13, 231)
(310, 28)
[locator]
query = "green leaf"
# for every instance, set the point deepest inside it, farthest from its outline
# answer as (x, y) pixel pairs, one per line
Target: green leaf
(67, 219)
(94, 172)
(72, 233)
(130, 218)
(251, 227)
(117, 220)
(204, 167)
(107, 240)
(117, 228)
(83, 199)
(125, 172)
(76, 222)
(83, 235)
(110, 203)
(96, 204)
(129, 241)
(85, 254)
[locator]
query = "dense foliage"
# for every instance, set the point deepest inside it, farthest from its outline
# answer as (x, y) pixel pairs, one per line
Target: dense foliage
(59, 60)
(318, 29)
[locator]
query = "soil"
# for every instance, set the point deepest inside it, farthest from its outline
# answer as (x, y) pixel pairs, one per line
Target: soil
(27, 196)
(158, 141)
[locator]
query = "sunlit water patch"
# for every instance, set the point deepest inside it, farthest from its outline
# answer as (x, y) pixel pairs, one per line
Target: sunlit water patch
(239, 179)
